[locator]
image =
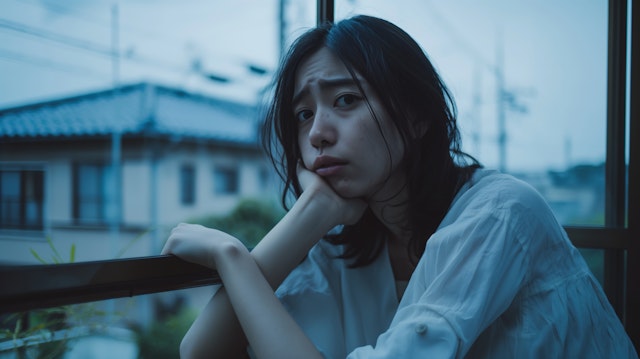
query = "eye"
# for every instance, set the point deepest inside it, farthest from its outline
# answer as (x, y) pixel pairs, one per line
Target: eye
(304, 115)
(346, 100)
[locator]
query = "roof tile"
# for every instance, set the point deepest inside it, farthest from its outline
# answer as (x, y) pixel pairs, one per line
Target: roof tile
(134, 109)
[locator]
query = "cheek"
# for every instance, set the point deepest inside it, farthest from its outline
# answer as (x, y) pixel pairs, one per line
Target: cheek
(305, 152)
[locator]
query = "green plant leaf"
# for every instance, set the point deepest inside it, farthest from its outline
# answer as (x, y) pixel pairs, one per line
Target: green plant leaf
(57, 259)
(131, 243)
(35, 254)
(72, 254)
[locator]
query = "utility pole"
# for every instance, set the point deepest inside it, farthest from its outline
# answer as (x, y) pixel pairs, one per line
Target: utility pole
(476, 115)
(282, 5)
(115, 47)
(501, 96)
(506, 100)
(115, 205)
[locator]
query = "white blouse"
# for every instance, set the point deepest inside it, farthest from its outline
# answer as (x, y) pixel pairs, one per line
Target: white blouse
(498, 279)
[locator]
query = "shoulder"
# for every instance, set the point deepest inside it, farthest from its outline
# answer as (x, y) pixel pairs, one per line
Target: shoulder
(500, 208)
(491, 192)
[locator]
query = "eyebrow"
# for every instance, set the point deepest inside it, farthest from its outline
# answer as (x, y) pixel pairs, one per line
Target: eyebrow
(325, 84)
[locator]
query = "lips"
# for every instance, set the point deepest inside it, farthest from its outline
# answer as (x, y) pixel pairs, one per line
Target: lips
(328, 166)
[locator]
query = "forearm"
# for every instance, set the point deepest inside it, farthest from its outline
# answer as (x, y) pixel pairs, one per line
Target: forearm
(217, 330)
(269, 328)
(284, 247)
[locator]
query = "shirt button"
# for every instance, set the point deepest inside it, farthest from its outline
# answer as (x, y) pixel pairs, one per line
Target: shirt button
(421, 329)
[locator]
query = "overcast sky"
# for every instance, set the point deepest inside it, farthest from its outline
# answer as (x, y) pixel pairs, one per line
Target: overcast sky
(554, 60)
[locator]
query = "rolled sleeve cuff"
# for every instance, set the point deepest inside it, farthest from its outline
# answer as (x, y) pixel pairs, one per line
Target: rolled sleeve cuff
(423, 337)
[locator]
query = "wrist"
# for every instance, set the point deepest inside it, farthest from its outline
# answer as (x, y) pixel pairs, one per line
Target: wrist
(319, 209)
(229, 251)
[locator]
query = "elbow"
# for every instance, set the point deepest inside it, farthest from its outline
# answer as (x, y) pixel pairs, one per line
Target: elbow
(185, 349)
(188, 350)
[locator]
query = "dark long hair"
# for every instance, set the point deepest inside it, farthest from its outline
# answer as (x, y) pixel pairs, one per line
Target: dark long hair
(415, 98)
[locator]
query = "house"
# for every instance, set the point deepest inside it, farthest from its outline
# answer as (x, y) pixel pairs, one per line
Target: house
(107, 174)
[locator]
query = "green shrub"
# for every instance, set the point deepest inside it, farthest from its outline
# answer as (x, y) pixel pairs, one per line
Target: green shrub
(249, 221)
(162, 339)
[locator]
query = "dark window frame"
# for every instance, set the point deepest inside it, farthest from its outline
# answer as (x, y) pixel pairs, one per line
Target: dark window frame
(619, 236)
(25, 175)
(188, 182)
(100, 200)
(231, 184)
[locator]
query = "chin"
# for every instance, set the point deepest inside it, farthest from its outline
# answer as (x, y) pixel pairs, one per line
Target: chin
(347, 191)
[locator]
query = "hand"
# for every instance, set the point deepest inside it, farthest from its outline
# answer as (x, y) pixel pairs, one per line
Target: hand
(198, 244)
(347, 210)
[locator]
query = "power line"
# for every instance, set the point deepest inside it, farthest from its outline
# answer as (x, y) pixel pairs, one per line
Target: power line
(69, 11)
(43, 62)
(51, 36)
(459, 39)
(58, 8)
(83, 44)
(128, 28)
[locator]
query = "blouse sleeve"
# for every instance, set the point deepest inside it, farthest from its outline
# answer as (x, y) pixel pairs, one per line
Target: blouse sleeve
(469, 274)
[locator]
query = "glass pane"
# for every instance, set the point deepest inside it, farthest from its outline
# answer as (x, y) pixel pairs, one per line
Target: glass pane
(595, 261)
(225, 180)
(532, 72)
(33, 182)
(187, 184)
(196, 84)
(89, 181)
(195, 81)
(103, 329)
(90, 197)
(10, 198)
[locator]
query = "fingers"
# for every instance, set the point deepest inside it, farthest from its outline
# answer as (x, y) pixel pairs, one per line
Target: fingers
(168, 244)
(175, 231)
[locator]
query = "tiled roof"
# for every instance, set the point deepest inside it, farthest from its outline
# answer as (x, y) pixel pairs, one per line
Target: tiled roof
(134, 109)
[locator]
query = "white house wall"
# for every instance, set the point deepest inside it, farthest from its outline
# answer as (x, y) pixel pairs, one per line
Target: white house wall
(136, 193)
(206, 201)
(137, 228)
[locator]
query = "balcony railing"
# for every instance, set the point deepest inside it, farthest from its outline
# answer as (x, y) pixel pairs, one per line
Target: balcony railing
(30, 287)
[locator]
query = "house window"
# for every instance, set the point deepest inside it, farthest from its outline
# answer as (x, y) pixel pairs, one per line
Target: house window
(92, 190)
(264, 178)
(21, 199)
(225, 180)
(188, 184)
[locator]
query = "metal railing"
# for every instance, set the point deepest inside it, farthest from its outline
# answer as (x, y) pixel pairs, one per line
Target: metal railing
(30, 287)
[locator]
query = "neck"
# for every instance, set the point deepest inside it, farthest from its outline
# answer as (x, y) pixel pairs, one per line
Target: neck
(390, 205)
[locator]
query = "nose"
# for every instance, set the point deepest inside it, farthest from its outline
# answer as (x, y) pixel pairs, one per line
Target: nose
(323, 132)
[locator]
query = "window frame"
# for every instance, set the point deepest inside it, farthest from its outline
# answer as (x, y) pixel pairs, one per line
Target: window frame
(102, 199)
(22, 199)
(188, 183)
(620, 237)
(230, 186)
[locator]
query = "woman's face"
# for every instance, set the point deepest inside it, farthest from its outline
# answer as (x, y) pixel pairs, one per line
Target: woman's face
(339, 138)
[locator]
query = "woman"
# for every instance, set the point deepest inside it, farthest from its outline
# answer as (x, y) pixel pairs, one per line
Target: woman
(424, 253)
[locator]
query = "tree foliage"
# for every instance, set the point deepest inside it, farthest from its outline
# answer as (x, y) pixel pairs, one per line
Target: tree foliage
(249, 221)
